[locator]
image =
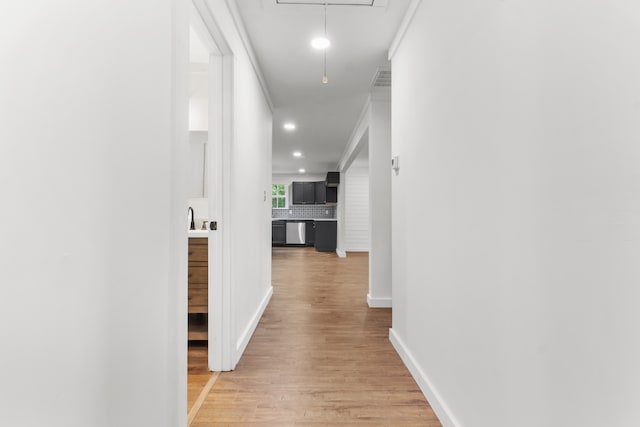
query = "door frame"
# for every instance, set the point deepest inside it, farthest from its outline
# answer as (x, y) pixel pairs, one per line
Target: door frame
(218, 157)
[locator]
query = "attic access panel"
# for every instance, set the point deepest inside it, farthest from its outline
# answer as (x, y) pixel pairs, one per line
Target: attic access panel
(329, 2)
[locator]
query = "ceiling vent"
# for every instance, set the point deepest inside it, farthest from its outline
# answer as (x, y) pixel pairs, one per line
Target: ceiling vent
(330, 2)
(382, 77)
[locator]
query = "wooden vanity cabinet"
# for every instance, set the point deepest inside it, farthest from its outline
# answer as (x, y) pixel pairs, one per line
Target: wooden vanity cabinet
(198, 285)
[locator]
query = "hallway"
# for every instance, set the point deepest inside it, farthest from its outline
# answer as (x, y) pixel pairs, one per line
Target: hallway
(319, 355)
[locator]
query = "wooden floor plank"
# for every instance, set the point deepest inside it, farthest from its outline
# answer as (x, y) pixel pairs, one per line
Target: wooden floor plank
(320, 356)
(198, 374)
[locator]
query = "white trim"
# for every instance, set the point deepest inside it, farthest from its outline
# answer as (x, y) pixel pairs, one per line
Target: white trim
(216, 38)
(404, 26)
(353, 144)
(243, 341)
(177, 268)
(356, 249)
(226, 227)
(341, 253)
(434, 398)
(201, 29)
(378, 302)
(216, 238)
(242, 32)
(220, 134)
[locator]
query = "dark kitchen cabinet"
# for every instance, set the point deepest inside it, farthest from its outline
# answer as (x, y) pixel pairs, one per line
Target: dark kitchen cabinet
(310, 232)
(278, 233)
(333, 179)
(313, 193)
(309, 193)
(304, 193)
(297, 188)
(331, 195)
(321, 192)
(326, 235)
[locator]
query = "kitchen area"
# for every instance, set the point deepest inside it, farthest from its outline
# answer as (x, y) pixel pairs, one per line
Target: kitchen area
(304, 211)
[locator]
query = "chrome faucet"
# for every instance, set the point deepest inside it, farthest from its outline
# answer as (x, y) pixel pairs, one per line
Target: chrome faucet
(192, 225)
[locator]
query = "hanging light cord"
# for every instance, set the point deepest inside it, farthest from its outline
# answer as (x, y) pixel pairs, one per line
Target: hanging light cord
(324, 75)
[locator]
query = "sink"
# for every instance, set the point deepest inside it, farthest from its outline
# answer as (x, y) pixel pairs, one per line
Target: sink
(198, 233)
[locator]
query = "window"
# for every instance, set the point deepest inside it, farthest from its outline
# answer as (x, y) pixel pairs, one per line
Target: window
(278, 196)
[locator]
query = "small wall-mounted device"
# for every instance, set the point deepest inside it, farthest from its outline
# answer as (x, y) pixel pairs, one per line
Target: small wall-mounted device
(395, 165)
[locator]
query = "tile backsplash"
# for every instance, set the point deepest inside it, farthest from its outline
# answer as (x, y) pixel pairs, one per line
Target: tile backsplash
(305, 211)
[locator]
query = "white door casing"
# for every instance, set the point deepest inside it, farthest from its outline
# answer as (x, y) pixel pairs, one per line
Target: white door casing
(220, 78)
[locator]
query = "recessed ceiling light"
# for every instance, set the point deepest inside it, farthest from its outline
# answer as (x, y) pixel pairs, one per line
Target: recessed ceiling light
(301, 170)
(289, 126)
(297, 154)
(320, 43)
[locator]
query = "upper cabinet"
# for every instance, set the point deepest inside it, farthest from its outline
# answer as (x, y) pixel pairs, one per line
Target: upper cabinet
(333, 179)
(297, 193)
(316, 192)
(308, 193)
(321, 192)
(332, 195)
(303, 193)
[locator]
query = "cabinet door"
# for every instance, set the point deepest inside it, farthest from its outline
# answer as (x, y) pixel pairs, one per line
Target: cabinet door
(309, 190)
(321, 192)
(297, 189)
(198, 277)
(310, 233)
(326, 234)
(278, 233)
(333, 179)
(332, 195)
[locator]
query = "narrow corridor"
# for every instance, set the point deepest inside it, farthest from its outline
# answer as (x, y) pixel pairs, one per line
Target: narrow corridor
(319, 356)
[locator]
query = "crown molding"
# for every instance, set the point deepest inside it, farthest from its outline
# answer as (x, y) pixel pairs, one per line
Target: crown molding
(237, 21)
(404, 26)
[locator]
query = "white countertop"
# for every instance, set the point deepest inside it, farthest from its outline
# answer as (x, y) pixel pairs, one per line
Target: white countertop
(198, 233)
(303, 219)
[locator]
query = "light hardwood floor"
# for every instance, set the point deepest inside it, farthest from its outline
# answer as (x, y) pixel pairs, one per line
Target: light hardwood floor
(319, 356)
(198, 373)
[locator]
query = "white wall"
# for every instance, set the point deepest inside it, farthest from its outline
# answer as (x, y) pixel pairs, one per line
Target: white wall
(197, 167)
(200, 207)
(356, 212)
(358, 140)
(89, 317)
(198, 100)
(516, 225)
(371, 138)
(380, 200)
(250, 216)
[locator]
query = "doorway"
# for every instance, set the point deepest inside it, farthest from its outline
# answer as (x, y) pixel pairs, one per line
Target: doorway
(210, 102)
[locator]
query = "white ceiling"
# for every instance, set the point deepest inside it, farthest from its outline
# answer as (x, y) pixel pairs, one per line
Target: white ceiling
(325, 115)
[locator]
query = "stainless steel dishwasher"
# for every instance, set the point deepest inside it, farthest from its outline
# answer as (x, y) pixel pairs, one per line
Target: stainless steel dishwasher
(296, 233)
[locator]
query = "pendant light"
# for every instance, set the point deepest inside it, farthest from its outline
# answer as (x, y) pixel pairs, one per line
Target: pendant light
(322, 43)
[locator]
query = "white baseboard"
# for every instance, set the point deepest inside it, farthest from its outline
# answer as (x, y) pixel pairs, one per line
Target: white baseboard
(433, 397)
(341, 253)
(243, 341)
(378, 302)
